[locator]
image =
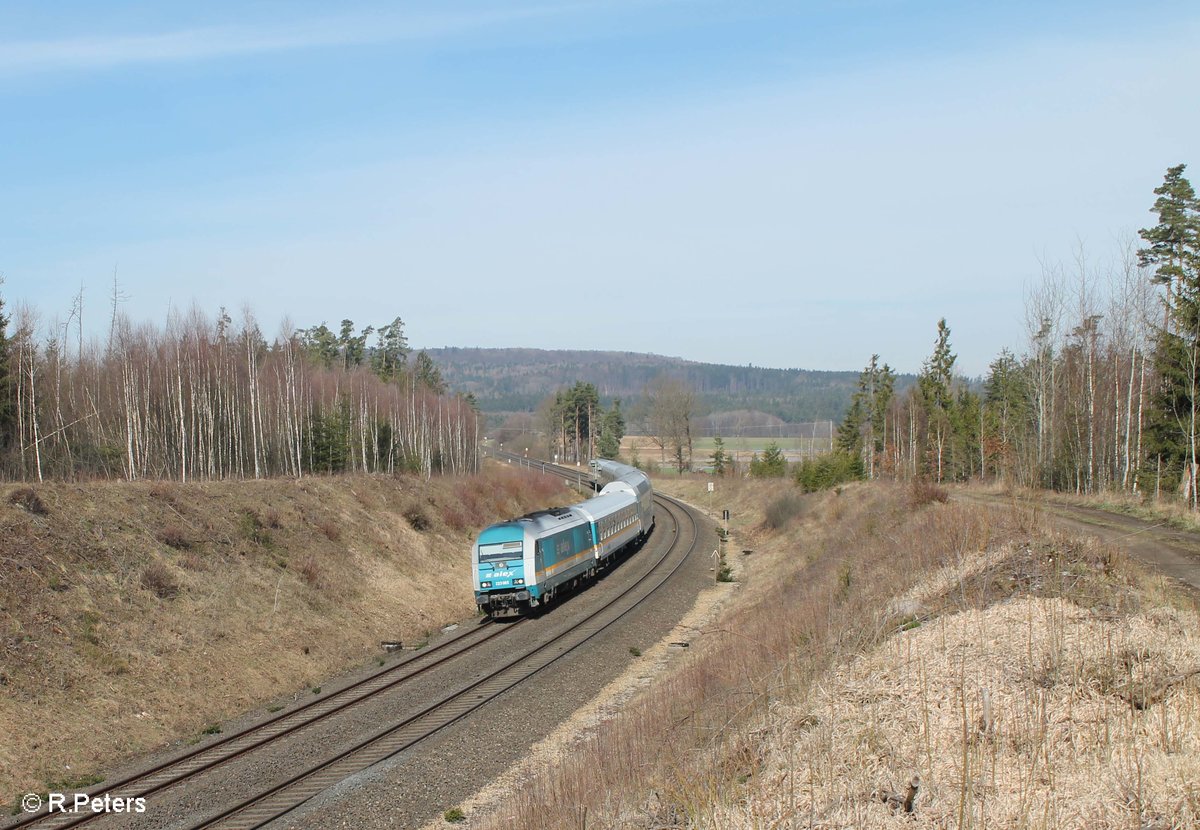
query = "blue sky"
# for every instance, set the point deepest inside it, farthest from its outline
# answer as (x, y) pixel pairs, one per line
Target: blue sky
(794, 184)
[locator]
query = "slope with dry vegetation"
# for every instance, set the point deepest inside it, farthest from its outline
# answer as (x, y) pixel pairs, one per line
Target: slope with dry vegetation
(896, 660)
(136, 613)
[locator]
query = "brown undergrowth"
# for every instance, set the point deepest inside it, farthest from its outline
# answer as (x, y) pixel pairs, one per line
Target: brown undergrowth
(852, 672)
(132, 614)
(1168, 508)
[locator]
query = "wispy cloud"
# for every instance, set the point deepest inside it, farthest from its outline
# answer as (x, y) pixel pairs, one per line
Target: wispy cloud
(208, 43)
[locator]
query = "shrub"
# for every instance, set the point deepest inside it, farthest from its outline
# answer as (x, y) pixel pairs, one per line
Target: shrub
(251, 527)
(724, 572)
(271, 519)
(193, 562)
(783, 510)
(330, 529)
(418, 518)
(158, 579)
(456, 517)
(924, 492)
(454, 816)
(827, 471)
(163, 491)
(310, 572)
(28, 498)
(173, 537)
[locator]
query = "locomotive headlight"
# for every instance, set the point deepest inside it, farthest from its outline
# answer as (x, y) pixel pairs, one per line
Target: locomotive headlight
(518, 581)
(485, 585)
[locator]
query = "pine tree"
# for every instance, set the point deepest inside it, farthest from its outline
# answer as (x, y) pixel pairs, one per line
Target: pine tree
(321, 345)
(391, 350)
(720, 459)
(967, 434)
(849, 432)
(612, 430)
(428, 374)
(1174, 250)
(773, 464)
(863, 430)
(353, 347)
(1172, 244)
(1007, 408)
(934, 384)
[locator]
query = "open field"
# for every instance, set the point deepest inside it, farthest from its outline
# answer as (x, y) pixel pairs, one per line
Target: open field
(1018, 676)
(740, 449)
(134, 614)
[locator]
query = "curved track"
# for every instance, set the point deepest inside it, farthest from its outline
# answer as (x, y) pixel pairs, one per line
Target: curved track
(204, 758)
(268, 805)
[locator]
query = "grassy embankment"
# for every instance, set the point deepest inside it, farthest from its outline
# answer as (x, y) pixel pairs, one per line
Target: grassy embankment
(880, 638)
(133, 614)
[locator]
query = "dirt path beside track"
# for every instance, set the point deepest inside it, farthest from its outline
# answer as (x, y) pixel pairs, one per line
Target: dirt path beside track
(1168, 550)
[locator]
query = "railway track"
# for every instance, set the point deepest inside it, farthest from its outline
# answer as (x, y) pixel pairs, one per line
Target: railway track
(281, 798)
(266, 807)
(177, 770)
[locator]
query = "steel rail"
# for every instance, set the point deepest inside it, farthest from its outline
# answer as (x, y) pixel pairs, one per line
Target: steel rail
(175, 770)
(270, 805)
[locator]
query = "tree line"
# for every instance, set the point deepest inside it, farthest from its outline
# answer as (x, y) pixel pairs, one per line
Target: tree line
(206, 398)
(1104, 396)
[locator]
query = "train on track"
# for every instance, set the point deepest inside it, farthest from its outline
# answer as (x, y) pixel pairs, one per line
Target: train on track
(522, 564)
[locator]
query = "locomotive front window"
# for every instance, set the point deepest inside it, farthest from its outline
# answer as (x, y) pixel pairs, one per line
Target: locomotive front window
(504, 550)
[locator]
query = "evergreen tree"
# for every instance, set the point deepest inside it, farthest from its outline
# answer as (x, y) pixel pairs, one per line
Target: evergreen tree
(353, 347)
(720, 460)
(934, 387)
(612, 430)
(428, 374)
(966, 434)
(863, 431)
(849, 432)
(329, 439)
(1007, 406)
(391, 350)
(1174, 250)
(773, 464)
(828, 470)
(1172, 247)
(884, 391)
(321, 345)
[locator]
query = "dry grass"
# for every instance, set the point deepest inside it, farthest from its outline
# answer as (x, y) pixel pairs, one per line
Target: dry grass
(921, 493)
(1167, 509)
(1032, 712)
(124, 644)
(173, 536)
(28, 498)
(158, 579)
(858, 655)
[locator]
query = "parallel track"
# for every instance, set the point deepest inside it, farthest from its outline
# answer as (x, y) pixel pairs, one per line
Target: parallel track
(202, 759)
(284, 797)
(281, 799)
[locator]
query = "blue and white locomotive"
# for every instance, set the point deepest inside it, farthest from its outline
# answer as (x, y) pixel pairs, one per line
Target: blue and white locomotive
(521, 564)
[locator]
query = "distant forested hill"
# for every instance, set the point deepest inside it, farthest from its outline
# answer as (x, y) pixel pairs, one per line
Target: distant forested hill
(517, 380)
